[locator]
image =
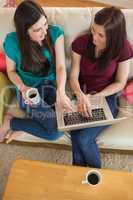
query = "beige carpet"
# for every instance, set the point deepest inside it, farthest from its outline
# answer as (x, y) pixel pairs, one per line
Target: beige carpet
(9, 153)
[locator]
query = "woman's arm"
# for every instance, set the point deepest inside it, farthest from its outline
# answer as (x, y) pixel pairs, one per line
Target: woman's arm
(11, 71)
(83, 102)
(61, 74)
(120, 79)
(74, 75)
(12, 75)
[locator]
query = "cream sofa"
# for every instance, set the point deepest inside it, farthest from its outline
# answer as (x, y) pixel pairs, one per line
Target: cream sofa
(74, 21)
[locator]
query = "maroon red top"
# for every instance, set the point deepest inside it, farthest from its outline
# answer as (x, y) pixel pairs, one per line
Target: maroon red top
(91, 80)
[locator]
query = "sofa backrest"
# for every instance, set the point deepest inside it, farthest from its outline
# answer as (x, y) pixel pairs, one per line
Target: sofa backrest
(73, 20)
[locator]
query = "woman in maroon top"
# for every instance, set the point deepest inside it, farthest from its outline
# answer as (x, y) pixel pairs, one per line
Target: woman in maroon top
(100, 66)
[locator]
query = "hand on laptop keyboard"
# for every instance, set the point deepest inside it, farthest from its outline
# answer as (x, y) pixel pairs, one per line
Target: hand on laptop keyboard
(77, 117)
(83, 104)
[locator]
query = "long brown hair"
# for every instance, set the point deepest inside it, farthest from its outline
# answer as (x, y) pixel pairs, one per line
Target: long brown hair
(113, 20)
(27, 14)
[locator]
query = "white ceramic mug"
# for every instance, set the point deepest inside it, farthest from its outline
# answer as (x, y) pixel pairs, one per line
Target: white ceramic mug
(93, 177)
(32, 96)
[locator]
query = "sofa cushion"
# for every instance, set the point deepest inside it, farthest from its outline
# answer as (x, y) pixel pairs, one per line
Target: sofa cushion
(6, 23)
(118, 136)
(26, 137)
(2, 62)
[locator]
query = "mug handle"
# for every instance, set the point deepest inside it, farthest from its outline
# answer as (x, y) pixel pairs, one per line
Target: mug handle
(84, 182)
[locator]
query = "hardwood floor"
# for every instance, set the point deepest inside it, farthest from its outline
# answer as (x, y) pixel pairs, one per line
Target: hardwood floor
(69, 3)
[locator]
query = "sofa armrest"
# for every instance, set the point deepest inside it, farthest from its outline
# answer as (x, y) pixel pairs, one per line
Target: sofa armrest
(6, 94)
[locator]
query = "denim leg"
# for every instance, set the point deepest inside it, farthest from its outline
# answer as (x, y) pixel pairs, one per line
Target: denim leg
(45, 115)
(78, 157)
(48, 93)
(86, 145)
(34, 128)
(85, 148)
(42, 121)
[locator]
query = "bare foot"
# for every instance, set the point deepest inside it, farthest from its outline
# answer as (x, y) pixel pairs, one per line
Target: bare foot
(5, 127)
(12, 135)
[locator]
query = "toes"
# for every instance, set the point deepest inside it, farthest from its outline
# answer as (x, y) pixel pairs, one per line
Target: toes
(9, 134)
(12, 136)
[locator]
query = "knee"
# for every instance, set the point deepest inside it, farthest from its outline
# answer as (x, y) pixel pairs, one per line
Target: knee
(77, 136)
(82, 138)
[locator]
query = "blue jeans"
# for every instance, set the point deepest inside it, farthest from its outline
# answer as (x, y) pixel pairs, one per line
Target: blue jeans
(41, 118)
(84, 147)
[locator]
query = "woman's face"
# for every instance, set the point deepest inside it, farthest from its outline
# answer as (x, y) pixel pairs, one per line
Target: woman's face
(38, 31)
(99, 36)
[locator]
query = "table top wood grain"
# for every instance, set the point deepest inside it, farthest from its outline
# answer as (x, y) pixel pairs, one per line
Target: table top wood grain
(35, 180)
(69, 3)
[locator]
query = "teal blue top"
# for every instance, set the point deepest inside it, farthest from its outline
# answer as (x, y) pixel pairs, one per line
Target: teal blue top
(12, 50)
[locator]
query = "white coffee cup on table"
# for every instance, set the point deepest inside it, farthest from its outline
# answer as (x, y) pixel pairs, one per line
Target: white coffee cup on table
(93, 177)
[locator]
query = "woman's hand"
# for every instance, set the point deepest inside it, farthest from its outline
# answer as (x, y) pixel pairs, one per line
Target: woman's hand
(64, 101)
(83, 104)
(23, 89)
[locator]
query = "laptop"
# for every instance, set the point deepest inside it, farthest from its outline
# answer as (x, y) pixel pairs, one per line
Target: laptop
(101, 115)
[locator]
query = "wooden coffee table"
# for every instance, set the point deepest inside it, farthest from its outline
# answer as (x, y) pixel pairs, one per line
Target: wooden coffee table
(69, 3)
(34, 180)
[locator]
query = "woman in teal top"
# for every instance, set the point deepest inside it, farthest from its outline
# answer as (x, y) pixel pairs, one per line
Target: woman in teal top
(35, 58)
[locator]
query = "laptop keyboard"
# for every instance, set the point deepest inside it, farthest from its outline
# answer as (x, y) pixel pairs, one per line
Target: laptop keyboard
(77, 118)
